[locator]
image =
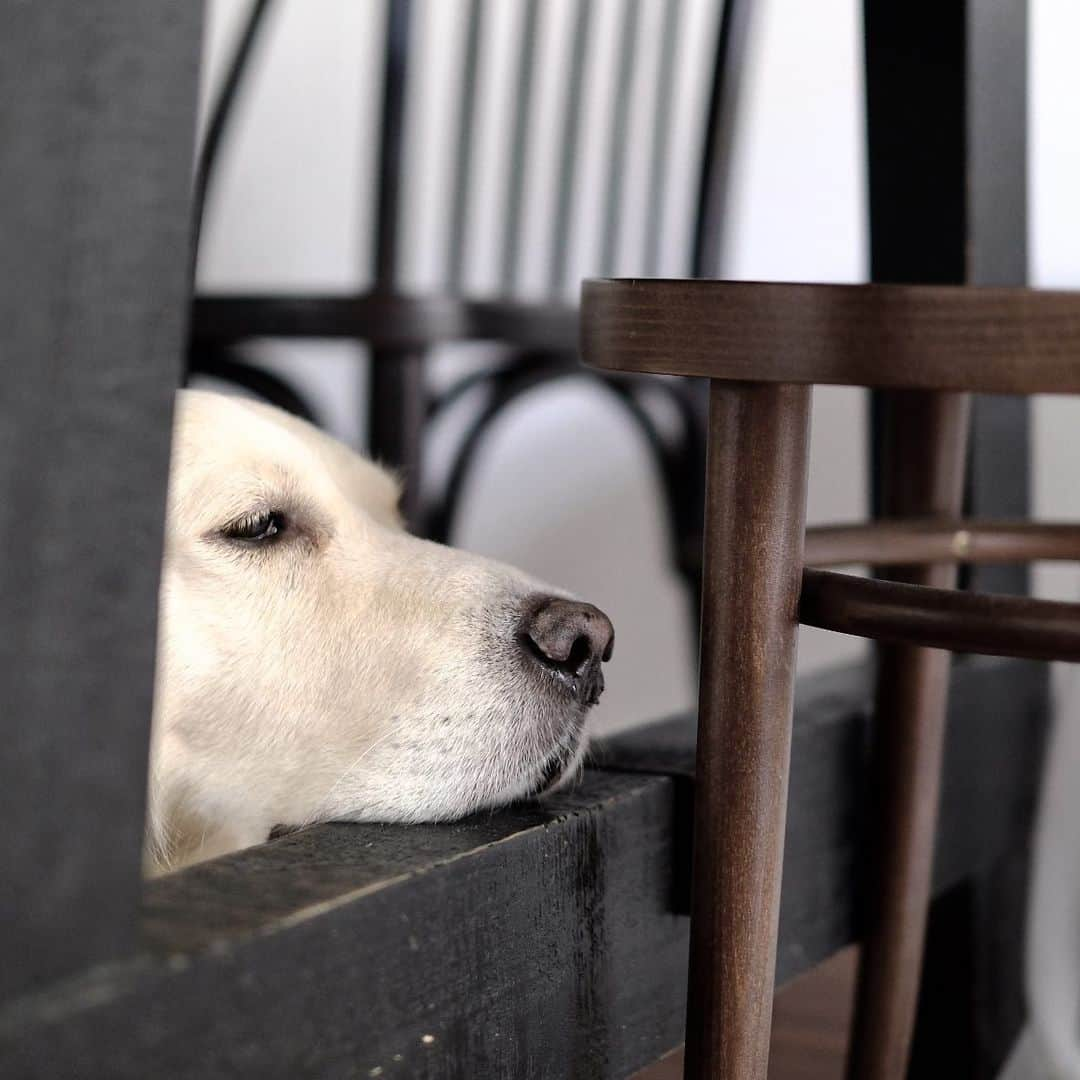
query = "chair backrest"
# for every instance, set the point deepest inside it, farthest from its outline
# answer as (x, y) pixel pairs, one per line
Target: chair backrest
(563, 140)
(584, 137)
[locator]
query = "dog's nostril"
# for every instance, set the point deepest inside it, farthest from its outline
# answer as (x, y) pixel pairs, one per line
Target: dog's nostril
(567, 635)
(580, 653)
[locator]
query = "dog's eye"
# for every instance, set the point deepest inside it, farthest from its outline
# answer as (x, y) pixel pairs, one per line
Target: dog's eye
(264, 525)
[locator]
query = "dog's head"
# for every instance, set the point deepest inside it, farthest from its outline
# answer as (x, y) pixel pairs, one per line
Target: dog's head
(316, 662)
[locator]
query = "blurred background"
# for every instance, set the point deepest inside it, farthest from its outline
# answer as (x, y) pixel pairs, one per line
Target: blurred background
(564, 486)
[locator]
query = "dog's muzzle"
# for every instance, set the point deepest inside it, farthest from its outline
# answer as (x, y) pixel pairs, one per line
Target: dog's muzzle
(569, 640)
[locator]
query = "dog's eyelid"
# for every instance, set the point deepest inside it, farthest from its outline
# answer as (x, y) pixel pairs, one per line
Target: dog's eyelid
(257, 526)
(290, 518)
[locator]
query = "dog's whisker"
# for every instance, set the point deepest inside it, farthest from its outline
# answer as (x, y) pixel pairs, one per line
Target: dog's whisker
(323, 804)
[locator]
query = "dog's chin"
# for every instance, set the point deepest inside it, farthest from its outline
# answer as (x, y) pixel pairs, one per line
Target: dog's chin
(562, 766)
(558, 770)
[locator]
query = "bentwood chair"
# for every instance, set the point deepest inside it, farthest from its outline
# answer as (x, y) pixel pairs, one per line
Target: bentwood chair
(763, 347)
(535, 334)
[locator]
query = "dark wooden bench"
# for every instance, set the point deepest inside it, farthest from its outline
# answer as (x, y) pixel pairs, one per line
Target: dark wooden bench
(546, 940)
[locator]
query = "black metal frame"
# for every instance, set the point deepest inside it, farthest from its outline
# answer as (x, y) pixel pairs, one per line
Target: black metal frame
(540, 339)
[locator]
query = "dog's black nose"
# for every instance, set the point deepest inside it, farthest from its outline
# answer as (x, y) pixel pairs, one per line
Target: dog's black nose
(571, 639)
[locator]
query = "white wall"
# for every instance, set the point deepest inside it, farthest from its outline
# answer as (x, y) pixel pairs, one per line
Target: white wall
(565, 490)
(1054, 234)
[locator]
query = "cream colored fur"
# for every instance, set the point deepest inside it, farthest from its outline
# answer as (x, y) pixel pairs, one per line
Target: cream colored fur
(346, 670)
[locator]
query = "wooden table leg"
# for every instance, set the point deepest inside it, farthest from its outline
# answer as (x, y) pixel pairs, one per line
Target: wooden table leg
(924, 453)
(754, 522)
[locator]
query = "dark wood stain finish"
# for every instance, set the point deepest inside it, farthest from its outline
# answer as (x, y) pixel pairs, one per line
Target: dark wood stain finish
(911, 337)
(960, 621)
(754, 522)
(988, 791)
(923, 454)
(888, 542)
(898, 337)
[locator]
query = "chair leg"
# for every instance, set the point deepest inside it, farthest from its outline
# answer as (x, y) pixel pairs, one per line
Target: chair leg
(754, 523)
(923, 458)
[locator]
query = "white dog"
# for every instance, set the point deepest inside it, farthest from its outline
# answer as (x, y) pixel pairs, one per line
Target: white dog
(316, 662)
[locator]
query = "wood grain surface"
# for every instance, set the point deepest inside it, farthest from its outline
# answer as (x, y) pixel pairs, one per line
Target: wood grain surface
(914, 337)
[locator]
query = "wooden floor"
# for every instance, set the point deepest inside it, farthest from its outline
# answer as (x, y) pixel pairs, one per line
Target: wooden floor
(810, 1024)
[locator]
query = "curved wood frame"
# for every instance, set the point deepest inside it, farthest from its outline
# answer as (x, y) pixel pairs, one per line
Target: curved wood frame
(909, 337)
(908, 541)
(941, 618)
